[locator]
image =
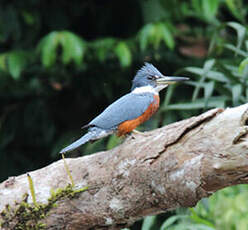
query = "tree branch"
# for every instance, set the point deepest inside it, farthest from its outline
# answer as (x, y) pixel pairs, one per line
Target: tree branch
(173, 166)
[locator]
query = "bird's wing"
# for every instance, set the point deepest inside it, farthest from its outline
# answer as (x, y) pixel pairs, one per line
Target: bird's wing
(126, 108)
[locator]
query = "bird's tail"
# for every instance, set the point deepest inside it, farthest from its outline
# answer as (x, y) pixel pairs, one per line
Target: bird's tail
(87, 137)
(93, 134)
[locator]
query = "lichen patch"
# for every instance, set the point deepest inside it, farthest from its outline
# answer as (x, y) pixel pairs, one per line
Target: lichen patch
(124, 166)
(108, 221)
(115, 204)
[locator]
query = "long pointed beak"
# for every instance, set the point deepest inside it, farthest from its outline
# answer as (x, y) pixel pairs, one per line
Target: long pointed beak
(167, 80)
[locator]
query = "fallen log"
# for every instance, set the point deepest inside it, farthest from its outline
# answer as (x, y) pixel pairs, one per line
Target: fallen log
(173, 166)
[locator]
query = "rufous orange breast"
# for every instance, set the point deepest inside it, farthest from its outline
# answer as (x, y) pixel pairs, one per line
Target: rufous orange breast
(129, 125)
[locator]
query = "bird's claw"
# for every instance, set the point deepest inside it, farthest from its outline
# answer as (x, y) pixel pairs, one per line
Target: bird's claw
(138, 132)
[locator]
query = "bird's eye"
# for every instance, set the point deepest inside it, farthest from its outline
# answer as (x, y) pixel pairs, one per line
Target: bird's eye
(152, 77)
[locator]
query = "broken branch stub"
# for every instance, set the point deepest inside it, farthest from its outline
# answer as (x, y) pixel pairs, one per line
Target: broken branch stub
(172, 166)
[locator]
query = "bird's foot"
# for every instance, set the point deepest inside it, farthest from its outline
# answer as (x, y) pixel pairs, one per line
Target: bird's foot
(138, 132)
(133, 134)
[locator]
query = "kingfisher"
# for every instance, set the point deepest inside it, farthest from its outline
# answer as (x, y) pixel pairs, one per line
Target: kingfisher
(131, 110)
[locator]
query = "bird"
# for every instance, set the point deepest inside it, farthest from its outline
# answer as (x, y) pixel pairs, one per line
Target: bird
(125, 114)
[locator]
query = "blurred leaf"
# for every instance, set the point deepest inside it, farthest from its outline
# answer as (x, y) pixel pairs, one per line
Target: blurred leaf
(242, 224)
(165, 34)
(214, 75)
(242, 65)
(148, 222)
(28, 17)
(196, 83)
(103, 47)
(232, 71)
(246, 94)
(3, 62)
(154, 11)
(146, 32)
(233, 7)
(205, 9)
(169, 93)
(246, 45)
(197, 6)
(113, 141)
(153, 34)
(236, 50)
(200, 227)
(236, 93)
(208, 65)
(73, 47)
(213, 42)
(17, 61)
(228, 207)
(241, 31)
(171, 220)
(210, 8)
(48, 46)
(208, 91)
(123, 53)
(198, 104)
(199, 220)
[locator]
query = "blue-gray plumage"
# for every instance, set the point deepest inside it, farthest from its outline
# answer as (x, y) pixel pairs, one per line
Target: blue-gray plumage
(126, 108)
(141, 78)
(129, 111)
(94, 133)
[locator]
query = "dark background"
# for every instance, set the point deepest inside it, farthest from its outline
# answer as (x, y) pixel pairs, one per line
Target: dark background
(62, 62)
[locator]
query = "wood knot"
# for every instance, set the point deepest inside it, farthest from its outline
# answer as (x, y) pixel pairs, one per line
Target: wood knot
(242, 134)
(244, 118)
(9, 182)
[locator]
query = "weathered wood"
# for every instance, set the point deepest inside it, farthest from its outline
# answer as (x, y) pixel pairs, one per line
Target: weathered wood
(173, 166)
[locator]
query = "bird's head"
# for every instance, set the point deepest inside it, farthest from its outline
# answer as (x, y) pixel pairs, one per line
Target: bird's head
(149, 75)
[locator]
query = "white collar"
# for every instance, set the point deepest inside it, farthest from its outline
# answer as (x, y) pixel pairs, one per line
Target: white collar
(149, 89)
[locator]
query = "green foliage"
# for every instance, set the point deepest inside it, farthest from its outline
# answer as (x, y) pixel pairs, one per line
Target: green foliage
(226, 209)
(199, 104)
(73, 48)
(103, 48)
(206, 9)
(148, 222)
(229, 208)
(14, 62)
(123, 53)
(171, 220)
(238, 9)
(153, 33)
(222, 82)
(113, 141)
(62, 64)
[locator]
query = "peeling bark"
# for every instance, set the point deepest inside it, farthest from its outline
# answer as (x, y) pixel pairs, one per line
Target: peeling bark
(172, 166)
